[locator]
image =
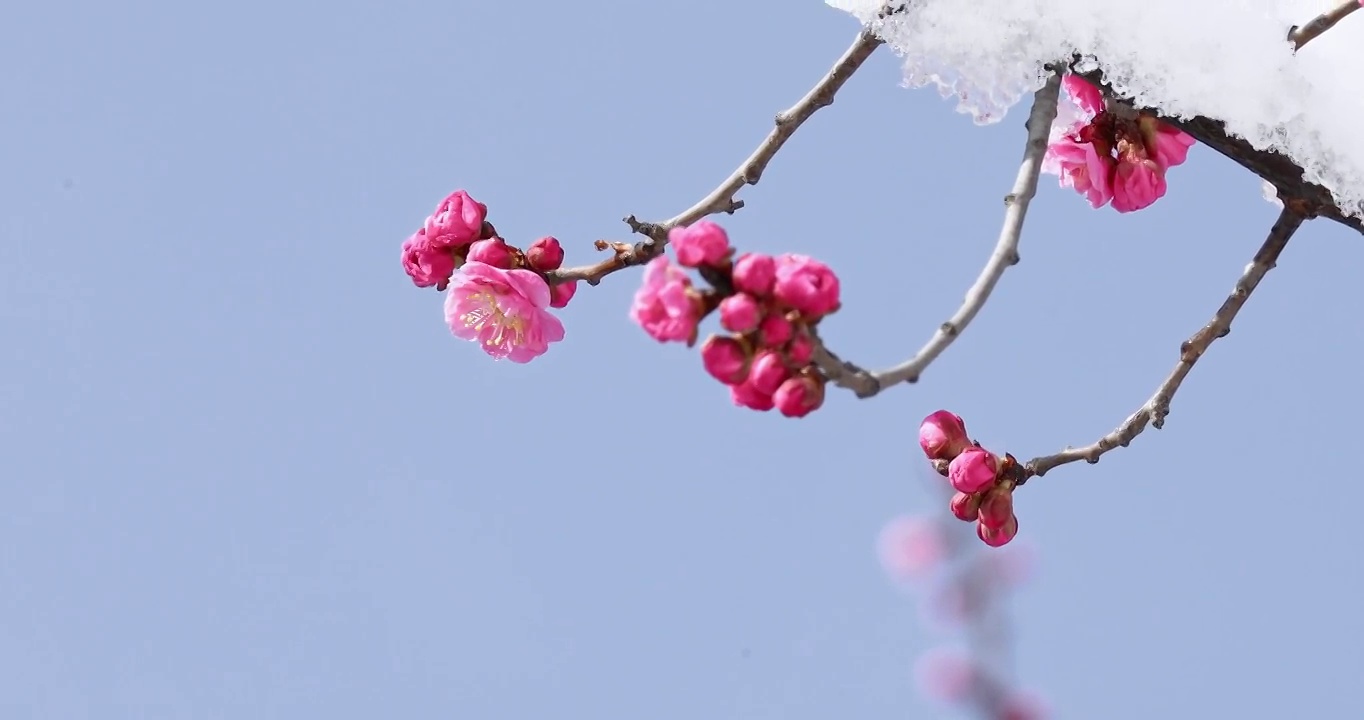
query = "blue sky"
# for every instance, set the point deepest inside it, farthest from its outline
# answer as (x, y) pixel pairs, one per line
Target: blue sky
(249, 474)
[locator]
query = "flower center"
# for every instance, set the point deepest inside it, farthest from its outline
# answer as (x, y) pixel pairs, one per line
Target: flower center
(505, 330)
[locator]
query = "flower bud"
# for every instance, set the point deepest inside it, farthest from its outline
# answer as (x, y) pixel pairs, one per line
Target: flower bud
(701, 243)
(560, 294)
(996, 508)
(740, 313)
(973, 470)
(755, 274)
(745, 395)
(774, 331)
(493, 251)
(725, 358)
(801, 350)
(545, 254)
(768, 373)
(799, 396)
(943, 435)
(965, 506)
(997, 537)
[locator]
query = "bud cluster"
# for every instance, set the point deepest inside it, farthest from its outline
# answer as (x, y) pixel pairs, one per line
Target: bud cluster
(767, 304)
(984, 482)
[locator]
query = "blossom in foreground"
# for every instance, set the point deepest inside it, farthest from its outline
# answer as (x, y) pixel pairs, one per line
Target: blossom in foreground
(503, 310)
(665, 305)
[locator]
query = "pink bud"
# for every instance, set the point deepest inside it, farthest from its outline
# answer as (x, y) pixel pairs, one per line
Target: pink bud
(725, 359)
(799, 396)
(801, 350)
(965, 506)
(768, 372)
(701, 243)
(745, 395)
(943, 435)
(560, 294)
(807, 285)
(996, 537)
(755, 273)
(774, 331)
(973, 470)
(457, 221)
(492, 252)
(545, 254)
(427, 263)
(740, 313)
(996, 508)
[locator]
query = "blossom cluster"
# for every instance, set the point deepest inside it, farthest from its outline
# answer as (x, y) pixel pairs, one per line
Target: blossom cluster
(1116, 154)
(983, 481)
(496, 294)
(767, 303)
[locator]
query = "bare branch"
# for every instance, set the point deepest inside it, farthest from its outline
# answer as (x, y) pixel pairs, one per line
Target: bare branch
(1300, 36)
(722, 199)
(1153, 412)
(866, 384)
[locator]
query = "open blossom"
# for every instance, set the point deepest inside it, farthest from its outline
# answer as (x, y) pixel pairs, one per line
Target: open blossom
(701, 243)
(1082, 167)
(806, 284)
(1137, 183)
(457, 221)
(664, 305)
(426, 263)
(503, 310)
(1165, 143)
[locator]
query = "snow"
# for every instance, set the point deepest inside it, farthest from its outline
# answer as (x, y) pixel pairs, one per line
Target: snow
(1223, 59)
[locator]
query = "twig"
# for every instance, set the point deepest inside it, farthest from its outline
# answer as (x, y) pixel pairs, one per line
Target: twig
(1156, 408)
(1300, 36)
(1005, 255)
(722, 198)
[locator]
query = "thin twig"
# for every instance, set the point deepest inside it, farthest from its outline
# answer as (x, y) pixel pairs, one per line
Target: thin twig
(1300, 36)
(1153, 412)
(722, 199)
(1005, 255)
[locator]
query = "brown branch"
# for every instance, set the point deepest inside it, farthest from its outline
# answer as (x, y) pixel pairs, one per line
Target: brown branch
(1155, 409)
(866, 384)
(722, 199)
(1300, 36)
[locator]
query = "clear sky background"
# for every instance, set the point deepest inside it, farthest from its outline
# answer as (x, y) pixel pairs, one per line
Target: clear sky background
(247, 473)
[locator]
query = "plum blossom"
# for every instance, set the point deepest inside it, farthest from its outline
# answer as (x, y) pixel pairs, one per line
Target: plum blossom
(503, 310)
(701, 243)
(665, 304)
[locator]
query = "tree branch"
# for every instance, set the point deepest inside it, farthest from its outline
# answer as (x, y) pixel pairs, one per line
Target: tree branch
(1155, 409)
(1300, 36)
(722, 198)
(1005, 255)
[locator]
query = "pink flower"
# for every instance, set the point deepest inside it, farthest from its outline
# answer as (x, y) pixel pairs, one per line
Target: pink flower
(745, 395)
(1084, 93)
(1165, 143)
(755, 274)
(799, 396)
(1137, 183)
(774, 331)
(665, 305)
(910, 547)
(545, 254)
(1082, 167)
(806, 284)
(942, 435)
(425, 263)
(998, 537)
(768, 373)
(457, 221)
(973, 470)
(493, 251)
(701, 243)
(560, 294)
(504, 310)
(740, 313)
(725, 358)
